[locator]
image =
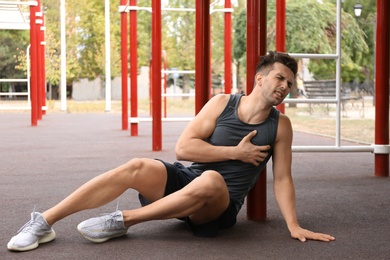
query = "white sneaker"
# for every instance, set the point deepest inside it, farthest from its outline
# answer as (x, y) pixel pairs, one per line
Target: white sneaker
(33, 233)
(103, 228)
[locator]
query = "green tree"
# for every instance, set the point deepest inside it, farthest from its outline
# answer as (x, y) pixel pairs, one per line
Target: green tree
(311, 28)
(13, 44)
(179, 38)
(86, 51)
(52, 39)
(367, 23)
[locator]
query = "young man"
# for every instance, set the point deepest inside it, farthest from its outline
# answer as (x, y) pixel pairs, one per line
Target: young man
(230, 140)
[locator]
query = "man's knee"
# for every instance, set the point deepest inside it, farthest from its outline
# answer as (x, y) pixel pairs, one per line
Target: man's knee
(131, 170)
(212, 184)
(147, 176)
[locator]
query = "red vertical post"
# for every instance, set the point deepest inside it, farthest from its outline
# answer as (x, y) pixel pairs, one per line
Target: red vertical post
(38, 24)
(133, 68)
(256, 46)
(228, 49)
(252, 44)
(34, 69)
(202, 54)
(382, 81)
(43, 71)
(281, 34)
(156, 76)
(124, 70)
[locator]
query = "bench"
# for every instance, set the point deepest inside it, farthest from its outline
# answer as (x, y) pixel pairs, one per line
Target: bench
(326, 89)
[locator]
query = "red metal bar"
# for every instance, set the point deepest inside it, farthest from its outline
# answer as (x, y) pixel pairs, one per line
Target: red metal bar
(38, 24)
(156, 76)
(281, 34)
(124, 70)
(202, 54)
(228, 49)
(43, 55)
(382, 81)
(256, 46)
(133, 68)
(252, 50)
(34, 69)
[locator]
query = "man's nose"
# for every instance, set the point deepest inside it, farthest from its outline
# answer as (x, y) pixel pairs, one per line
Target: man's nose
(285, 84)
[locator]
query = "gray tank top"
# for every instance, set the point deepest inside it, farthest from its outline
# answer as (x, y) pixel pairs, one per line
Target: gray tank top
(229, 131)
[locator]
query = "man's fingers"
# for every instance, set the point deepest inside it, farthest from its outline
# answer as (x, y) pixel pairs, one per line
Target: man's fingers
(251, 134)
(313, 236)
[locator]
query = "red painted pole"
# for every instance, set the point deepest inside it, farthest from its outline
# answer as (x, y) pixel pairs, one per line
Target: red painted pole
(43, 71)
(281, 34)
(382, 81)
(252, 44)
(34, 67)
(156, 76)
(228, 48)
(38, 24)
(256, 46)
(202, 54)
(133, 68)
(124, 70)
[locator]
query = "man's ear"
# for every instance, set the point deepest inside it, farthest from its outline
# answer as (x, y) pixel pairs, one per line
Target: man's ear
(258, 78)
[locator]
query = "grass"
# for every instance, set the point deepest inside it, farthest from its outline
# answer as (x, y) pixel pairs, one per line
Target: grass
(359, 130)
(353, 128)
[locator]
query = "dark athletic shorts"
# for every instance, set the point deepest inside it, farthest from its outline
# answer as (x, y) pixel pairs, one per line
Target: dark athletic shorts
(178, 177)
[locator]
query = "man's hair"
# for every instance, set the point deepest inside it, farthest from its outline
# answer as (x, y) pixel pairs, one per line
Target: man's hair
(267, 61)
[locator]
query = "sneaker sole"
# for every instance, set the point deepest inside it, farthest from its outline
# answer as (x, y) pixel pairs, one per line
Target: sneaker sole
(100, 240)
(45, 239)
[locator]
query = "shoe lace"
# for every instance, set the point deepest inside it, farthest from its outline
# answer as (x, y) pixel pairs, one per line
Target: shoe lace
(111, 221)
(30, 224)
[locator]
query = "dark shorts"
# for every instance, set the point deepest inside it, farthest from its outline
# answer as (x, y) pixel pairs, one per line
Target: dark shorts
(178, 177)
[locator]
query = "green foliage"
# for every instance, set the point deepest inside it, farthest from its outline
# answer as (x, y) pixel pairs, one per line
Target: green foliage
(179, 31)
(366, 23)
(310, 26)
(13, 45)
(239, 39)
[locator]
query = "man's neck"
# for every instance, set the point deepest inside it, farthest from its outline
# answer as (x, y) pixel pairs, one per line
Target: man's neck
(251, 111)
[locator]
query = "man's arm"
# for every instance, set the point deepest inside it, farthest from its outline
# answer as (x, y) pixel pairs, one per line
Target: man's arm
(191, 146)
(283, 183)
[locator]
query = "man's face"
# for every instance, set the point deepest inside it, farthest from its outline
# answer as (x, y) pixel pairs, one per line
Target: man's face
(277, 84)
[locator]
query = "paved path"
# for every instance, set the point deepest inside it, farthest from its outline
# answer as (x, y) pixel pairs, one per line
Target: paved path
(336, 193)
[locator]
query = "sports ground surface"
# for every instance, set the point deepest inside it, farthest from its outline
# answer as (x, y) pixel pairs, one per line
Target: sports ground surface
(337, 193)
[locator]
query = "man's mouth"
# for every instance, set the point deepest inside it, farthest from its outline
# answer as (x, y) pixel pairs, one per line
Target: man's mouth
(279, 93)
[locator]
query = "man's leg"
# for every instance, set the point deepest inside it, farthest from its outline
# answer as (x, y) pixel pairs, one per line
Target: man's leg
(203, 200)
(148, 176)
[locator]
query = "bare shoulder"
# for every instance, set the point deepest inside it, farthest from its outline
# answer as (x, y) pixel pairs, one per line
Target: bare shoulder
(215, 105)
(220, 99)
(204, 122)
(284, 128)
(284, 119)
